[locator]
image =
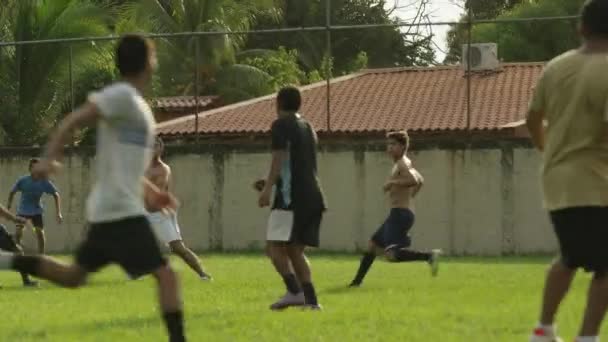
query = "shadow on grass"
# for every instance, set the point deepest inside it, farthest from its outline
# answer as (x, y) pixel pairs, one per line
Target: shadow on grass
(99, 327)
(344, 289)
(48, 286)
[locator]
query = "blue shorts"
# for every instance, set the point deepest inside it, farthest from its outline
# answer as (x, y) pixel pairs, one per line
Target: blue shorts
(395, 230)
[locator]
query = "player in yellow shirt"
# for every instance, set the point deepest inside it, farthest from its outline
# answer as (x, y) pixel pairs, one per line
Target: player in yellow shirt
(568, 122)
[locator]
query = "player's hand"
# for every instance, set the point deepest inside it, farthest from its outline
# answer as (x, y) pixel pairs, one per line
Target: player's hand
(46, 167)
(59, 218)
(387, 186)
(162, 200)
(264, 199)
(259, 185)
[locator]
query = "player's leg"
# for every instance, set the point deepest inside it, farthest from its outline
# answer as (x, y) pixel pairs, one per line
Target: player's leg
(306, 229)
(170, 302)
(147, 259)
(280, 226)
(373, 248)
(597, 303)
(71, 276)
(174, 238)
(40, 239)
(593, 237)
(561, 272)
(179, 248)
(38, 223)
(284, 267)
(8, 244)
(19, 233)
(301, 265)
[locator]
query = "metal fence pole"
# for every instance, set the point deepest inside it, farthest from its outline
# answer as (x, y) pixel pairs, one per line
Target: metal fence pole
(469, 60)
(328, 62)
(197, 72)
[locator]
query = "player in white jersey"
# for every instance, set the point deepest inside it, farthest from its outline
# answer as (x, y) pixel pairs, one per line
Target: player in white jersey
(119, 231)
(164, 222)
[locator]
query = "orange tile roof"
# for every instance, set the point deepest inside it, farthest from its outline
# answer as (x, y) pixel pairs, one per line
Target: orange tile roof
(374, 101)
(182, 103)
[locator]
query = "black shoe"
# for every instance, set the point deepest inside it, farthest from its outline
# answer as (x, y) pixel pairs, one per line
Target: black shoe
(31, 283)
(354, 284)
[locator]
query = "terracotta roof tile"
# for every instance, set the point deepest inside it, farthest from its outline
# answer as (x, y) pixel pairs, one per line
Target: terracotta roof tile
(417, 99)
(181, 103)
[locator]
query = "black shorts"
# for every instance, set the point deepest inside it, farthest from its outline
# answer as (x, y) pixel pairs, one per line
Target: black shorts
(37, 220)
(129, 243)
(6, 240)
(583, 236)
(394, 231)
(306, 228)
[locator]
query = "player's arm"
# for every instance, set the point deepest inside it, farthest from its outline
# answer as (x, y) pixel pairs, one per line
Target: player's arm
(11, 195)
(536, 114)
(87, 115)
(535, 124)
(405, 177)
(10, 216)
(279, 145)
(156, 198)
(57, 199)
(278, 157)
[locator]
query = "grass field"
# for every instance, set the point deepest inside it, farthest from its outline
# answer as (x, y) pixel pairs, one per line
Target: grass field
(472, 300)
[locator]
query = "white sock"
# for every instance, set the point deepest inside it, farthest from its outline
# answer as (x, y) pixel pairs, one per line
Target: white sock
(6, 261)
(588, 339)
(548, 329)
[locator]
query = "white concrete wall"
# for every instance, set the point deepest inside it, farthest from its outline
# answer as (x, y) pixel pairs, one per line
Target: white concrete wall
(478, 201)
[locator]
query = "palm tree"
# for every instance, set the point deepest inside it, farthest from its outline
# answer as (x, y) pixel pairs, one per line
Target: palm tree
(215, 60)
(34, 83)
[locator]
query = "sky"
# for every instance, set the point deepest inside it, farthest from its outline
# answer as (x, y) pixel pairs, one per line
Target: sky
(439, 10)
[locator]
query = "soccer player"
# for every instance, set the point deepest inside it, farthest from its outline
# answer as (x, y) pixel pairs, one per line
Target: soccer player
(119, 231)
(164, 223)
(32, 187)
(571, 97)
(7, 243)
(298, 204)
(393, 236)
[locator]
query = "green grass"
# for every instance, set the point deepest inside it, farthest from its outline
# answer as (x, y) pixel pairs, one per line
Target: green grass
(473, 299)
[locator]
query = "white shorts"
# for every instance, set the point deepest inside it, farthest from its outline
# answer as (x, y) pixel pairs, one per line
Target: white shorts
(280, 225)
(165, 227)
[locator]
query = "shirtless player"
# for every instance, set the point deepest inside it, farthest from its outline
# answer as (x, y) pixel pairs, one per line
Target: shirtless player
(164, 223)
(393, 236)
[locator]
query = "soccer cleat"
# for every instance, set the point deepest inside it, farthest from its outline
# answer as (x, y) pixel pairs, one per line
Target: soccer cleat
(312, 307)
(289, 299)
(540, 335)
(354, 284)
(434, 261)
(31, 283)
(206, 277)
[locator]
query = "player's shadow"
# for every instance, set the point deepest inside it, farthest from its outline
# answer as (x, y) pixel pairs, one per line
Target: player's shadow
(343, 289)
(47, 286)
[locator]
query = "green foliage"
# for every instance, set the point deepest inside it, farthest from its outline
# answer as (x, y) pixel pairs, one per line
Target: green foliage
(281, 66)
(523, 41)
(34, 78)
(384, 47)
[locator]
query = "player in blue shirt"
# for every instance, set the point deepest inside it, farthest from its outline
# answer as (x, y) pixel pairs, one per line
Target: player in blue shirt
(30, 208)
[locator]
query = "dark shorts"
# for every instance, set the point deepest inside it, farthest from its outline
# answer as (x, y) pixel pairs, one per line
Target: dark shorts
(6, 240)
(37, 220)
(129, 243)
(306, 228)
(583, 236)
(394, 232)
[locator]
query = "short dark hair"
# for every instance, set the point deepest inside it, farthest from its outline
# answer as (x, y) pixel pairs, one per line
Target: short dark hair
(401, 137)
(289, 99)
(133, 54)
(595, 17)
(33, 161)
